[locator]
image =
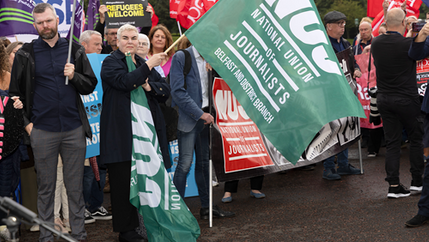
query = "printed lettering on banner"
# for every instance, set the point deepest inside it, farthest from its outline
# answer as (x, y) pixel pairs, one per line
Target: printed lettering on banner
(243, 146)
(277, 59)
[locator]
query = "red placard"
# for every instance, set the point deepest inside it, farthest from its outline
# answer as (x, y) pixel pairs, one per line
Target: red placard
(362, 87)
(243, 147)
(422, 75)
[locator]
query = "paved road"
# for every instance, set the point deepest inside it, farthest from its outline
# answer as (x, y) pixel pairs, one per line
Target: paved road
(301, 206)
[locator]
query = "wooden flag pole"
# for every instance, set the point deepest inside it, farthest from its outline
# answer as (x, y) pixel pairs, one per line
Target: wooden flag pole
(71, 37)
(174, 44)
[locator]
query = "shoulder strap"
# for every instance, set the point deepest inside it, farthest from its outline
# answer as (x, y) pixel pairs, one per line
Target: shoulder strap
(188, 65)
(369, 69)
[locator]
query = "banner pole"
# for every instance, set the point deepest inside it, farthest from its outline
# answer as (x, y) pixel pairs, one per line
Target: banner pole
(360, 157)
(210, 79)
(174, 44)
(180, 29)
(71, 37)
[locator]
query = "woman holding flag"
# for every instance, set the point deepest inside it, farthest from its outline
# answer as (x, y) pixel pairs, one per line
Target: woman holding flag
(115, 124)
(160, 39)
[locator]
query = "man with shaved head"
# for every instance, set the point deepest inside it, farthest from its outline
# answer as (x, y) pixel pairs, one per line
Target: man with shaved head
(398, 102)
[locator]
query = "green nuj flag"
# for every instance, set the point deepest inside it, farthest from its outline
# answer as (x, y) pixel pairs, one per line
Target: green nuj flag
(278, 61)
(166, 216)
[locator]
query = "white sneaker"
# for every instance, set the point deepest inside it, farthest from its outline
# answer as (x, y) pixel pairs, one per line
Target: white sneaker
(88, 218)
(101, 214)
(34, 228)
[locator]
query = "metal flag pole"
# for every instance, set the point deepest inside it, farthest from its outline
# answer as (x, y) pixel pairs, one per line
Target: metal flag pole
(210, 79)
(360, 157)
(180, 29)
(71, 37)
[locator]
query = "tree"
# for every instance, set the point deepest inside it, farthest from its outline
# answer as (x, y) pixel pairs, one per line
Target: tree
(162, 10)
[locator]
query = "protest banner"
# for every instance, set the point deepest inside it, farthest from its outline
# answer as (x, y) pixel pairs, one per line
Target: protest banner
(243, 147)
(187, 12)
(174, 4)
(284, 73)
(92, 14)
(362, 88)
(93, 106)
(239, 150)
(127, 12)
(16, 21)
(191, 185)
(16, 18)
(422, 75)
(79, 23)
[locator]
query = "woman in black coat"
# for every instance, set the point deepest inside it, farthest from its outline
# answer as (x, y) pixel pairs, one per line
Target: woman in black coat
(115, 123)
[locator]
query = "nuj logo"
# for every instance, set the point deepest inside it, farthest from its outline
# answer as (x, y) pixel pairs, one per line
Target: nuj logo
(299, 25)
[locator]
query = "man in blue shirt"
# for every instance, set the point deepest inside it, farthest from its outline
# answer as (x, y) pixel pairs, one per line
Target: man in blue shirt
(54, 115)
(193, 126)
(335, 25)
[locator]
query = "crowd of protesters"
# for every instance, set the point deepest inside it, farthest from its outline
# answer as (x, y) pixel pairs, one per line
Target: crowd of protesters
(53, 138)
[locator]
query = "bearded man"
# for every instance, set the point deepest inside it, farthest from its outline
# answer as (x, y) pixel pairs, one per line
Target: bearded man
(54, 115)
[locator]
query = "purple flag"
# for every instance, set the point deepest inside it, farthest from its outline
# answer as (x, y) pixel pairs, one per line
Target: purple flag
(426, 2)
(16, 18)
(78, 23)
(92, 15)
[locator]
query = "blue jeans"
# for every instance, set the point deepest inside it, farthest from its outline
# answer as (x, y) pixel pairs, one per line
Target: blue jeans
(92, 194)
(343, 160)
(198, 139)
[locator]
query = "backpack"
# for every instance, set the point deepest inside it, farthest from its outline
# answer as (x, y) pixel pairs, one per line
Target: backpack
(171, 114)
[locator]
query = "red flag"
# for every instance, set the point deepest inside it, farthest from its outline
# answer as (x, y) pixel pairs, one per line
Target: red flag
(189, 11)
(154, 18)
(174, 4)
(374, 7)
(412, 10)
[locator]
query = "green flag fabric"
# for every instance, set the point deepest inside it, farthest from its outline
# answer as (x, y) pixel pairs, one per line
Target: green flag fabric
(166, 216)
(278, 61)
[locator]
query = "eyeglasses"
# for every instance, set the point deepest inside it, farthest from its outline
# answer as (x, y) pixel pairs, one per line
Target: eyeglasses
(142, 43)
(341, 23)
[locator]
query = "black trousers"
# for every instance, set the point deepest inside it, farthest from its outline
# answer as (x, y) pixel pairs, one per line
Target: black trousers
(255, 184)
(398, 112)
(374, 142)
(125, 217)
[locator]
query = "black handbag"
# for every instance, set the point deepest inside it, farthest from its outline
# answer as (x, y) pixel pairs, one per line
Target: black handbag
(171, 117)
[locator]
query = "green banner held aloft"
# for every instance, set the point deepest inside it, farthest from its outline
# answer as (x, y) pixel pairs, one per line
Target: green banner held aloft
(166, 216)
(278, 61)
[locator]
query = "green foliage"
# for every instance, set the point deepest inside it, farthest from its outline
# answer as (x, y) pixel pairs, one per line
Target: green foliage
(423, 10)
(162, 10)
